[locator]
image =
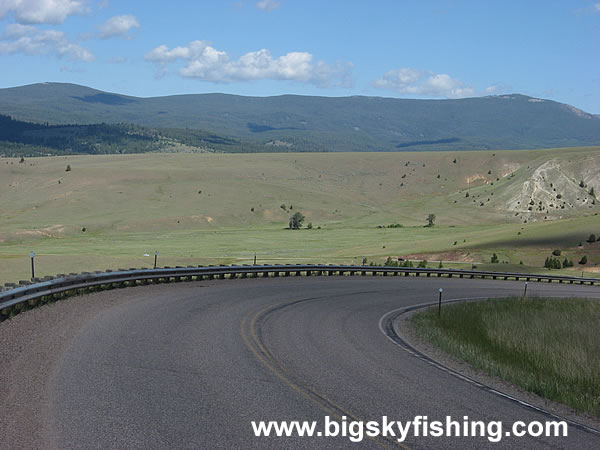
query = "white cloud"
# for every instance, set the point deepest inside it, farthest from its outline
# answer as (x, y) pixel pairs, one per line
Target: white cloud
(118, 26)
(204, 62)
(42, 11)
(268, 5)
(423, 82)
(499, 88)
(27, 39)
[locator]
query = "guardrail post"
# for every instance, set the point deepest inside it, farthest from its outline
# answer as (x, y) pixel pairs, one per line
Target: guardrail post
(32, 256)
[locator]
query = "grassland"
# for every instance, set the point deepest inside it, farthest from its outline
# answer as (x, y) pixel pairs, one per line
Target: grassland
(546, 346)
(110, 211)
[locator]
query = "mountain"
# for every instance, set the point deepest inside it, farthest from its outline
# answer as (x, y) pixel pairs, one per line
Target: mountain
(305, 123)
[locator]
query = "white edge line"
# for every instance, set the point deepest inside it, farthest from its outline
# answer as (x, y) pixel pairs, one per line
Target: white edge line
(457, 374)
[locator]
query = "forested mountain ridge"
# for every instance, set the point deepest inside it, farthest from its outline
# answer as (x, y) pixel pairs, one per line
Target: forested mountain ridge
(304, 123)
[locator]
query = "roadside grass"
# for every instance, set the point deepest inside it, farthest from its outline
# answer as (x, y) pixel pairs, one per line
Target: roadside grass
(543, 345)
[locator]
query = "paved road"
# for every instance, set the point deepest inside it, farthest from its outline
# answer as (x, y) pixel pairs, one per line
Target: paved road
(193, 365)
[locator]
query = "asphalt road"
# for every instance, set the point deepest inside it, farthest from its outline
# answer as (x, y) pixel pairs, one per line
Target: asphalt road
(194, 364)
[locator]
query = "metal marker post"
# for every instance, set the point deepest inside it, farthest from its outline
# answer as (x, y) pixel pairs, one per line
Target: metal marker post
(155, 258)
(254, 258)
(440, 303)
(525, 290)
(32, 255)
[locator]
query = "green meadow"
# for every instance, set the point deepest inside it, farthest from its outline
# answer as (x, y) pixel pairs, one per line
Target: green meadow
(110, 211)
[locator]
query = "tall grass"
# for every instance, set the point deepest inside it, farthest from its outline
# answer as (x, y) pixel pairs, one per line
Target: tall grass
(547, 346)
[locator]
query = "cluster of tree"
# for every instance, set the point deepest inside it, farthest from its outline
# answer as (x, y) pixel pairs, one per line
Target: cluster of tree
(555, 263)
(19, 138)
(25, 138)
(397, 263)
(296, 221)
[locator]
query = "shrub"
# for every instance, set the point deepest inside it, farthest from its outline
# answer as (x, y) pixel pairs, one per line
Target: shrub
(583, 260)
(423, 264)
(494, 259)
(68, 169)
(592, 238)
(309, 226)
(556, 252)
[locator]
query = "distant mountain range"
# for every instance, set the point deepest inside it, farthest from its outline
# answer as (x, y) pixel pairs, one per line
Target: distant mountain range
(304, 123)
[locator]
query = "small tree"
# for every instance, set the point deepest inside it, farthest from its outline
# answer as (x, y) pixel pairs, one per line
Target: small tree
(68, 169)
(309, 225)
(430, 220)
(494, 259)
(592, 238)
(592, 193)
(556, 252)
(423, 264)
(296, 221)
(583, 260)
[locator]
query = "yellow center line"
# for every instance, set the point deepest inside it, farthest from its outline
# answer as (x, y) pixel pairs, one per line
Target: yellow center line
(255, 344)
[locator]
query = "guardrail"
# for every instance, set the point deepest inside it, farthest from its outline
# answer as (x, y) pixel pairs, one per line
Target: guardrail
(15, 298)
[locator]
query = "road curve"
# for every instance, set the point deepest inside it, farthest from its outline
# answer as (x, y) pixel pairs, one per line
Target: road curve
(192, 364)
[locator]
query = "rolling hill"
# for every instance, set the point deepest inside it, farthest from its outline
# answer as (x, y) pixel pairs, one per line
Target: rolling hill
(303, 123)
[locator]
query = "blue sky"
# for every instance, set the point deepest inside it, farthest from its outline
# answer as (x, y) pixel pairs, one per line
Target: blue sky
(410, 49)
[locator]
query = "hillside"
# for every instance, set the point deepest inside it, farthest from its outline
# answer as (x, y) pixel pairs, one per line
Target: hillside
(302, 123)
(20, 138)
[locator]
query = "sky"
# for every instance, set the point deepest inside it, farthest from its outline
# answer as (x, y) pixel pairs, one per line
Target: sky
(388, 48)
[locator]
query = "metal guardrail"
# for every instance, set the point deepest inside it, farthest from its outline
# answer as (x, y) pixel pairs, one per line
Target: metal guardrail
(50, 287)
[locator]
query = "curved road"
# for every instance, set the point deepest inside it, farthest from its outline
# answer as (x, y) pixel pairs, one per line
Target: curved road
(192, 364)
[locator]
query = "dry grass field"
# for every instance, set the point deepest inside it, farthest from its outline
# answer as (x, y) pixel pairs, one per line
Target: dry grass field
(110, 211)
